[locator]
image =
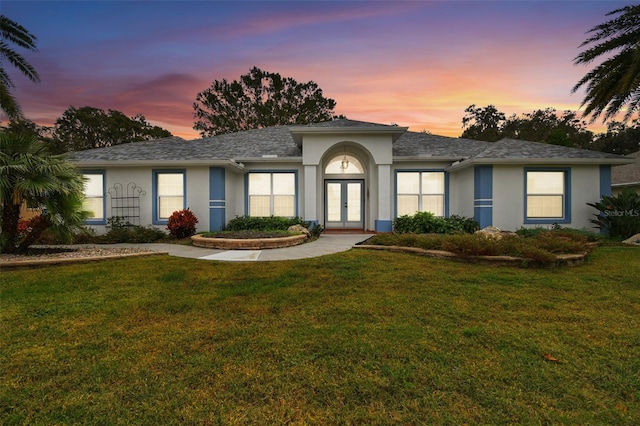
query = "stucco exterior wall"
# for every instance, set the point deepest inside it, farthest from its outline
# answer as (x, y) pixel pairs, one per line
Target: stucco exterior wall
(461, 193)
(315, 146)
(379, 196)
(197, 192)
(508, 196)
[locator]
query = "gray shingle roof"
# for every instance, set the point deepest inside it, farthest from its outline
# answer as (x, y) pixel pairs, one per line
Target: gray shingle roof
(413, 144)
(629, 173)
(343, 122)
(246, 144)
(279, 141)
(519, 149)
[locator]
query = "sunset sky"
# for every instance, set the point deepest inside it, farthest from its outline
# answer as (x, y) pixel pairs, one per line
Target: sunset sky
(417, 63)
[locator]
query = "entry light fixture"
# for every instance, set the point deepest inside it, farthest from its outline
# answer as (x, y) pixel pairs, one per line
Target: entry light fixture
(344, 164)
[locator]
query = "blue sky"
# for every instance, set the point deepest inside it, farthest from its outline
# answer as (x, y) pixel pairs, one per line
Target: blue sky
(415, 63)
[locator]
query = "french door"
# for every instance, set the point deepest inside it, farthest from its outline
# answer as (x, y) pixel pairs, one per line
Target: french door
(343, 204)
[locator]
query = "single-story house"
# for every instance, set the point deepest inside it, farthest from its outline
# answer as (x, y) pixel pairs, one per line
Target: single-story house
(344, 174)
(626, 176)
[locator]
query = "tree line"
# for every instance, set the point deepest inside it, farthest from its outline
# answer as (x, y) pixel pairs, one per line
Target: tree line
(548, 126)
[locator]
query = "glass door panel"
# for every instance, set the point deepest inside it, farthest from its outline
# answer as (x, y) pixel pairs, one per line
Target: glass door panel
(344, 204)
(354, 202)
(334, 202)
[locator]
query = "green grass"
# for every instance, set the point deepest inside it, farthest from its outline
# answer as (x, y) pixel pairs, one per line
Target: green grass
(360, 337)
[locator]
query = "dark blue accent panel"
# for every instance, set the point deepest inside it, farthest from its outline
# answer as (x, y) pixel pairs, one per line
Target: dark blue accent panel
(446, 194)
(605, 180)
(384, 226)
(217, 199)
(483, 195)
(483, 182)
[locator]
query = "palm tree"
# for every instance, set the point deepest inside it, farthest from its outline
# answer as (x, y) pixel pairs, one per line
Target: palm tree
(615, 83)
(12, 32)
(28, 173)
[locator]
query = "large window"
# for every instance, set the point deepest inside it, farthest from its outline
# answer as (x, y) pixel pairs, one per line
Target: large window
(169, 194)
(420, 192)
(94, 196)
(546, 194)
(272, 194)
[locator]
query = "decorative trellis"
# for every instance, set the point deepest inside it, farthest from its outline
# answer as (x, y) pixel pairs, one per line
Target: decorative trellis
(125, 202)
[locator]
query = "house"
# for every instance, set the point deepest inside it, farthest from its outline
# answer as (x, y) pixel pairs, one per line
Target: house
(626, 176)
(344, 174)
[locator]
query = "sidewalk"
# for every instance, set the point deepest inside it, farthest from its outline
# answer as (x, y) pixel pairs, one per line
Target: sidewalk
(326, 244)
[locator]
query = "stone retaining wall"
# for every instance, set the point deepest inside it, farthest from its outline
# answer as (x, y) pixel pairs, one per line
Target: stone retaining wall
(247, 243)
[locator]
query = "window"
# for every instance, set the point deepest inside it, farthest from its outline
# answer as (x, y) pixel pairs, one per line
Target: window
(546, 195)
(272, 194)
(94, 196)
(344, 164)
(169, 189)
(420, 192)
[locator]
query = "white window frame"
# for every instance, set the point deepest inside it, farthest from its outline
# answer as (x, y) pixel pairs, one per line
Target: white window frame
(565, 215)
(96, 219)
(158, 219)
(421, 194)
(272, 193)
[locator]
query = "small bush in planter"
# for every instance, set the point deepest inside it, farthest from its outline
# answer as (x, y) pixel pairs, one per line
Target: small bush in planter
(182, 224)
(269, 223)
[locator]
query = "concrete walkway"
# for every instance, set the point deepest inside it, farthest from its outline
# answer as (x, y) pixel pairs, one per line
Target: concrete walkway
(326, 244)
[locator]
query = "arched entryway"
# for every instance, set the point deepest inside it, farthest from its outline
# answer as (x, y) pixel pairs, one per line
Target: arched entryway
(344, 191)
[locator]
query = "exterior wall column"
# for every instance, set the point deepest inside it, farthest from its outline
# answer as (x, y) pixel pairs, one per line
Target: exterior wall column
(310, 189)
(483, 195)
(217, 199)
(383, 222)
(605, 181)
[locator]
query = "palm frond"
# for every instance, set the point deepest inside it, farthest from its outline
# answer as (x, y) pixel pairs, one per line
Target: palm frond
(614, 84)
(17, 34)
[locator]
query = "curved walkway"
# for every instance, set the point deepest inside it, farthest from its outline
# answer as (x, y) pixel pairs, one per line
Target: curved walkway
(326, 244)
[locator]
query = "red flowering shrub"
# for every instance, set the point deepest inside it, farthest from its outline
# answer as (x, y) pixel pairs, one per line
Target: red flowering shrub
(24, 227)
(182, 224)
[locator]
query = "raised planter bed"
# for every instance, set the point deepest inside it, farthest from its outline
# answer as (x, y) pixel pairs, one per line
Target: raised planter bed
(561, 259)
(247, 243)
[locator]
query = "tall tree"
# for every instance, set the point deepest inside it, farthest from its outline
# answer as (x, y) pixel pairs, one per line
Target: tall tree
(620, 138)
(259, 99)
(89, 127)
(483, 124)
(13, 33)
(542, 125)
(545, 125)
(30, 174)
(614, 84)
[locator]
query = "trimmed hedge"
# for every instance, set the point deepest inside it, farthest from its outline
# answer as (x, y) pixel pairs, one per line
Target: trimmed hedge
(270, 223)
(428, 223)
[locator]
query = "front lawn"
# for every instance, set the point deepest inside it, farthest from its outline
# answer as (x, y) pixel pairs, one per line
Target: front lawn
(360, 337)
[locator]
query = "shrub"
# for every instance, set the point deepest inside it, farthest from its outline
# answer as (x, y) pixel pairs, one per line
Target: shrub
(540, 249)
(182, 224)
(428, 223)
(133, 234)
(618, 215)
(270, 223)
(578, 234)
(471, 245)
(315, 230)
